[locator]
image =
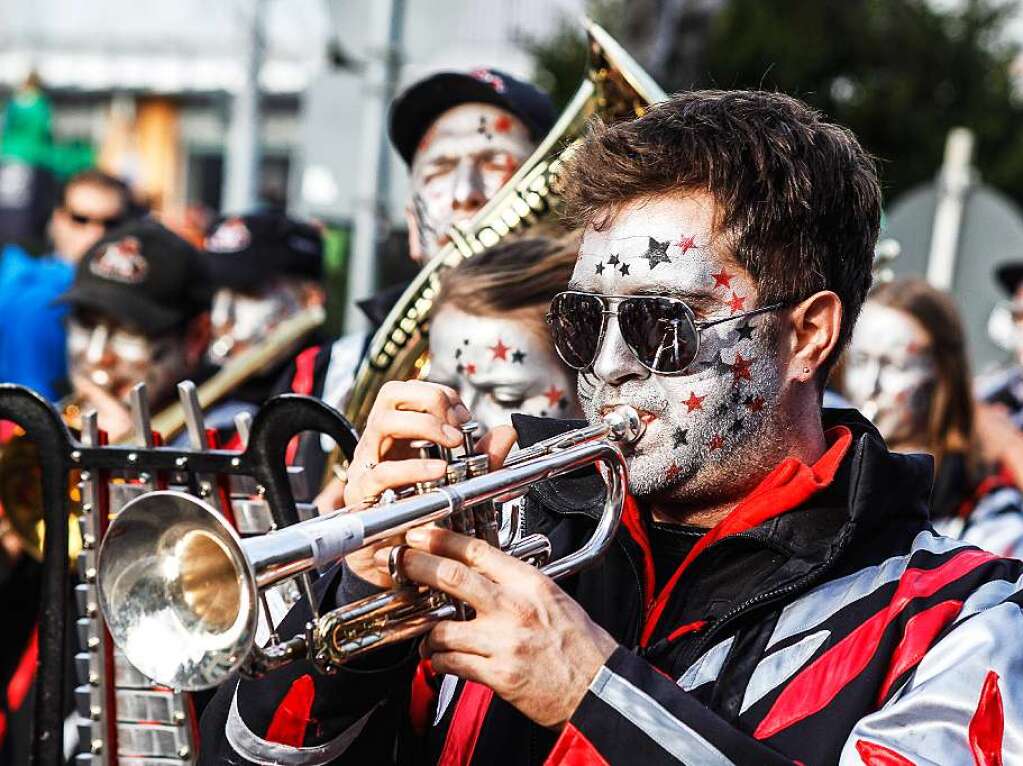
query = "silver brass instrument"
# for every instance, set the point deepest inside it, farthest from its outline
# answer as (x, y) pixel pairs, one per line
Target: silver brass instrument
(180, 589)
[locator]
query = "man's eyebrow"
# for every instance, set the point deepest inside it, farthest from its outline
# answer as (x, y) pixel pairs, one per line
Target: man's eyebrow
(703, 299)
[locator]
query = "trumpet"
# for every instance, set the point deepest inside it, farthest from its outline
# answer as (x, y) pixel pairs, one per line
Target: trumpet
(181, 592)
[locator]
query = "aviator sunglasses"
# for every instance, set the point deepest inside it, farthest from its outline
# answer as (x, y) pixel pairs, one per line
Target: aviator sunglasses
(662, 333)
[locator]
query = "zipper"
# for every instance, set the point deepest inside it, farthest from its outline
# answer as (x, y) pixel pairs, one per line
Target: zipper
(763, 598)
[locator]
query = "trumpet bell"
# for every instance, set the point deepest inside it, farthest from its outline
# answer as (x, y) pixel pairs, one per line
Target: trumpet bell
(178, 592)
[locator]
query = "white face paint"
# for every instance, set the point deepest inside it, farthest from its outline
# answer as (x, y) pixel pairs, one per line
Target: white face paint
(697, 422)
(890, 373)
(499, 366)
(468, 153)
(115, 358)
(240, 320)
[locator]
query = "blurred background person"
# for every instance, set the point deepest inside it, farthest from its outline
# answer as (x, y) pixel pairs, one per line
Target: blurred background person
(138, 312)
(32, 335)
(265, 268)
(907, 370)
(1004, 386)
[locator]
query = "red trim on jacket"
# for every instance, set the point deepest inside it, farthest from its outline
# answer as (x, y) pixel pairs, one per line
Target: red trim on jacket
(423, 698)
(573, 749)
(466, 723)
(691, 627)
(634, 524)
(873, 754)
(821, 681)
(788, 486)
(987, 727)
(920, 631)
(291, 718)
(999, 480)
(305, 371)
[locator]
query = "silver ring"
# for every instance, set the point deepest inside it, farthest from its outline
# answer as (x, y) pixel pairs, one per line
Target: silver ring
(394, 565)
(370, 465)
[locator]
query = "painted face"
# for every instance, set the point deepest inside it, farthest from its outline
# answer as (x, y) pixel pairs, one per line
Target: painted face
(890, 372)
(468, 153)
(240, 320)
(115, 358)
(499, 366)
(697, 422)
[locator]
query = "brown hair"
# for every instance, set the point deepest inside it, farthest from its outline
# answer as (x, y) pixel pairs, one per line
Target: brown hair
(522, 274)
(950, 425)
(798, 198)
(104, 181)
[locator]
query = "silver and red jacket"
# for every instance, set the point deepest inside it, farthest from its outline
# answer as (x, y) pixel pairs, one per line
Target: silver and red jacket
(823, 621)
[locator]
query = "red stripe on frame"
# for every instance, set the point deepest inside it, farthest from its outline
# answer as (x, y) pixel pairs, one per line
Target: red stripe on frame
(988, 724)
(873, 754)
(573, 749)
(921, 630)
(25, 673)
(466, 723)
(817, 685)
(292, 716)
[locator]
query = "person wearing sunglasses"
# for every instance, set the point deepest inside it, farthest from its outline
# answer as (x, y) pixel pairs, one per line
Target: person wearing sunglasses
(774, 593)
(32, 337)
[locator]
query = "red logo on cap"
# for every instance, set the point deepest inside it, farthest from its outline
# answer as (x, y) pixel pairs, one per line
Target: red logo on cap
(230, 237)
(491, 79)
(121, 261)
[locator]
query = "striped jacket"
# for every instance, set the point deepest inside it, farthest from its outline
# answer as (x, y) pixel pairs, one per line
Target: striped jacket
(822, 622)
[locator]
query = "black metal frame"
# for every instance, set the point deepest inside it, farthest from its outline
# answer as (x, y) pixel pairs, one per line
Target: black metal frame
(280, 419)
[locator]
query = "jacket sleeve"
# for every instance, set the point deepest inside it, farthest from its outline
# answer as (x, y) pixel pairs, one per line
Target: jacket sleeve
(633, 713)
(964, 702)
(996, 523)
(301, 717)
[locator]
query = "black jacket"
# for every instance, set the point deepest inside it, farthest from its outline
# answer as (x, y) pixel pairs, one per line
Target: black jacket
(829, 633)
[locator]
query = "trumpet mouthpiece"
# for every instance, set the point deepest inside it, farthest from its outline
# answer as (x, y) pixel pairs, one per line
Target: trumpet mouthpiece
(624, 424)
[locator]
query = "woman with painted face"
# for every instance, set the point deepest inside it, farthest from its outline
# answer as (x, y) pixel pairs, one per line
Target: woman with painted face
(907, 370)
(488, 338)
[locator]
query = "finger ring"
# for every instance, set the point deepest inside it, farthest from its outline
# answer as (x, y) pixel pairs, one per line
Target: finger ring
(394, 564)
(370, 465)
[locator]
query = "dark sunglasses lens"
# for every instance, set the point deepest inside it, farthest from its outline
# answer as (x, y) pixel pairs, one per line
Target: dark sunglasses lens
(660, 333)
(575, 326)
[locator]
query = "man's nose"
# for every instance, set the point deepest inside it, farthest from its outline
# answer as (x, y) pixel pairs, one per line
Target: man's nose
(615, 363)
(468, 192)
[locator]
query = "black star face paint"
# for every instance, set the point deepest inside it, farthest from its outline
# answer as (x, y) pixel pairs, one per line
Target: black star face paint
(699, 421)
(504, 367)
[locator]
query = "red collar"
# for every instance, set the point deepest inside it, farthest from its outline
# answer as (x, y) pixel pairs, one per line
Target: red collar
(787, 487)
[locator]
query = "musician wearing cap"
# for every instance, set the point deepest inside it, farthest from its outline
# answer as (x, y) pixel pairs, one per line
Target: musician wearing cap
(462, 135)
(138, 312)
(774, 593)
(266, 270)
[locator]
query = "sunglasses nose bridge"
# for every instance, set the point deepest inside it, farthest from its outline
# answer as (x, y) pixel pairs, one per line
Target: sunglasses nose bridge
(615, 361)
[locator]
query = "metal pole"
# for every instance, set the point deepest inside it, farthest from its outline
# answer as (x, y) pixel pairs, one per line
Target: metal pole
(241, 176)
(954, 182)
(371, 220)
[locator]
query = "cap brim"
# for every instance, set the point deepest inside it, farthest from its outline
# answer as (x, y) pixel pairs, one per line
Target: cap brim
(414, 111)
(1009, 275)
(124, 306)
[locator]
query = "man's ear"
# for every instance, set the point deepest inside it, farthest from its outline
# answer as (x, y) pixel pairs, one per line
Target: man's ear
(816, 323)
(197, 338)
(415, 245)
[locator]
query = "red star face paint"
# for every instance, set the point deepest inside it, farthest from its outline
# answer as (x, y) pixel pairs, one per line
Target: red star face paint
(702, 423)
(499, 366)
(468, 153)
(890, 373)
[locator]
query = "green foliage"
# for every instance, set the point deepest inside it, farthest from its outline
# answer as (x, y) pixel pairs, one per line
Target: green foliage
(899, 73)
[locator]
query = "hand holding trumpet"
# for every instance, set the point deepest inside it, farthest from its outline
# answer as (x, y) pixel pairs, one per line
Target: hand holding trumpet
(529, 641)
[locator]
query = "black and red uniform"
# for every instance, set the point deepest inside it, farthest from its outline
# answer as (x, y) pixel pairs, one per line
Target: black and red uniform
(822, 621)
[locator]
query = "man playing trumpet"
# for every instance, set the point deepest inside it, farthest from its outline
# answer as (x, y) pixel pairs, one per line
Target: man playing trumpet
(775, 593)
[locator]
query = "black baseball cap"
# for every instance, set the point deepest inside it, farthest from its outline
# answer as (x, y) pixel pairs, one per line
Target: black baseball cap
(142, 274)
(1009, 275)
(245, 252)
(414, 111)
